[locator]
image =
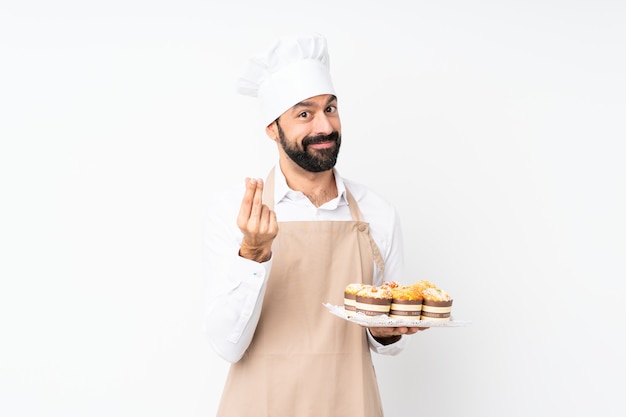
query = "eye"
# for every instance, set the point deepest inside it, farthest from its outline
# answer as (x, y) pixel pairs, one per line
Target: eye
(303, 115)
(331, 109)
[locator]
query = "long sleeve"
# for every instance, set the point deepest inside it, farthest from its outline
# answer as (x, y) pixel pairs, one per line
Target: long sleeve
(392, 247)
(391, 350)
(234, 286)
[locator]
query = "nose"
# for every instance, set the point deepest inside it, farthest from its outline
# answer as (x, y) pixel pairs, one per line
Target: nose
(322, 124)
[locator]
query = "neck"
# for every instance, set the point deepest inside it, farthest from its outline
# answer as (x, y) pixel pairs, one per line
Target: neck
(319, 187)
(322, 197)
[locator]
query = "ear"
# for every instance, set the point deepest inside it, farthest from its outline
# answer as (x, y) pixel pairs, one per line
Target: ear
(272, 131)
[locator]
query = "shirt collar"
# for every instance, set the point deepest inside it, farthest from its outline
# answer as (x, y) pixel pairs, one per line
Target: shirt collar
(282, 190)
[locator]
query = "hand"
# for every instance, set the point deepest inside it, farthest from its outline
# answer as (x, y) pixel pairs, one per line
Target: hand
(257, 223)
(388, 335)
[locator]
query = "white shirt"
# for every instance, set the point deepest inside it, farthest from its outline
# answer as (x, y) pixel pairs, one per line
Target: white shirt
(235, 286)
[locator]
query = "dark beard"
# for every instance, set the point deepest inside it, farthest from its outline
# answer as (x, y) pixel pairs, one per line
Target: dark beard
(317, 160)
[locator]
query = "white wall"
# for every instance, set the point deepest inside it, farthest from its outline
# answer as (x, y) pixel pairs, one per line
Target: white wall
(496, 128)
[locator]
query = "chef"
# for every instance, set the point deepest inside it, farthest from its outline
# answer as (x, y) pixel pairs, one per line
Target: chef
(283, 245)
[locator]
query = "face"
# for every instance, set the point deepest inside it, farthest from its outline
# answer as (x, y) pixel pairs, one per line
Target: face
(309, 133)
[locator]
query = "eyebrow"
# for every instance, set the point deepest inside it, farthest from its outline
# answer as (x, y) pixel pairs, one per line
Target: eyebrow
(307, 103)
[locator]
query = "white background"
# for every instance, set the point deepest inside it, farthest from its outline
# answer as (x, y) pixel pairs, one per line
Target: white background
(497, 129)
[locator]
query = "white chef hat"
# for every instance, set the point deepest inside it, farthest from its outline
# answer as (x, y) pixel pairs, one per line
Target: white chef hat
(293, 69)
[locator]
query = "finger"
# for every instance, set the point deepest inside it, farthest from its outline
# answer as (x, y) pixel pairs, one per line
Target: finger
(264, 219)
(248, 198)
(273, 226)
(257, 202)
(413, 330)
(268, 223)
(385, 331)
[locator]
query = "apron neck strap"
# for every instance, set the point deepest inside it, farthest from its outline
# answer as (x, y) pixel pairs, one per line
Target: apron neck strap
(268, 197)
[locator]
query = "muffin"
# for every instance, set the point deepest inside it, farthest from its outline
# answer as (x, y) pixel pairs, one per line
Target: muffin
(423, 285)
(373, 301)
(349, 298)
(437, 305)
(406, 303)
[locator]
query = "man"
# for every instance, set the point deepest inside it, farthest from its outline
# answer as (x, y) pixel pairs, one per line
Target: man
(292, 243)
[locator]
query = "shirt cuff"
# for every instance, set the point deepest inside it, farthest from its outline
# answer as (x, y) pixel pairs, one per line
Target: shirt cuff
(391, 349)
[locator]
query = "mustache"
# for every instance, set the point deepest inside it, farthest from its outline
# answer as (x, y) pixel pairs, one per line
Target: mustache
(310, 140)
